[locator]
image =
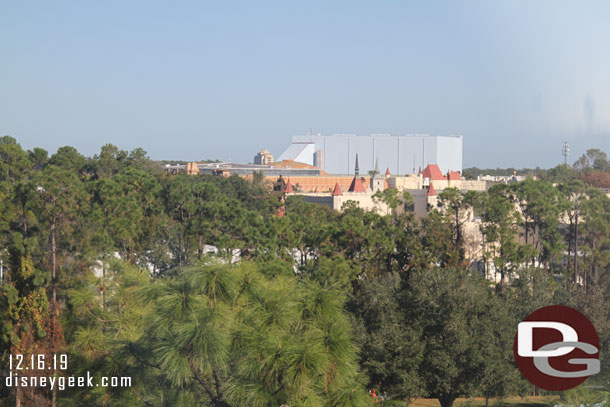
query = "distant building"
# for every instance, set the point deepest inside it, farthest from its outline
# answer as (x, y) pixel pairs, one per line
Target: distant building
(400, 154)
(303, 152)
(274, 169)
(432, 176)
(504, 178)
(360, 191)
(326, 183)
(338, 197)
(192, 168)
(264, 157)
(318, 159)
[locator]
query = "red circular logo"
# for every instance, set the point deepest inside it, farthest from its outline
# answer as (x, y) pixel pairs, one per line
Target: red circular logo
(556, 348)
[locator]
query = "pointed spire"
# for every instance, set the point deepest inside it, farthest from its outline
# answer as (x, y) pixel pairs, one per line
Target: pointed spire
(431, 191)
(356, 185)
(337, 190)
(376, 165)
(387, 172)
(357, 167)
(288, 189)
(419, 172)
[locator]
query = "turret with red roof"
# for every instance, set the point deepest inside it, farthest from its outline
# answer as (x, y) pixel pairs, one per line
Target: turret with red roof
(288, 189)
(337, 190)
(356, 185)
(434, 173)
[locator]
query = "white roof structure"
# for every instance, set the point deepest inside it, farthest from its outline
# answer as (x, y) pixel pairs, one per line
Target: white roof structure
(302, 152)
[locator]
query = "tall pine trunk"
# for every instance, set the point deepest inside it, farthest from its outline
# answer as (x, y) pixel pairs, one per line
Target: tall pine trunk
(576, 248)
(200, 247)
(54, 310)
(53, 266)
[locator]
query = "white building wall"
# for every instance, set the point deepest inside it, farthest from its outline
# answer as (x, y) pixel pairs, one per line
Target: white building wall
(401, 154)
(449, 154)
(385, 149)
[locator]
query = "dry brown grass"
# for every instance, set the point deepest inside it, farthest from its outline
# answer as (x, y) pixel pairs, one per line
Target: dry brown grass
(533, 401)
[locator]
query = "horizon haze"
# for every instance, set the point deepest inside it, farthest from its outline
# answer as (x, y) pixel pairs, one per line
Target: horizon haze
(223, 80)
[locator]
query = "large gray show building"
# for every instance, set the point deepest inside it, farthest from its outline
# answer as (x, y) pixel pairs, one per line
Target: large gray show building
(401, 154)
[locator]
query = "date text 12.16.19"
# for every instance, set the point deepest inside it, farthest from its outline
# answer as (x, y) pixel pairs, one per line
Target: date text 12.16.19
(38, 362)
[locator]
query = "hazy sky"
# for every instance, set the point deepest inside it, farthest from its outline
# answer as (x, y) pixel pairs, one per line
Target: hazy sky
(193, 80)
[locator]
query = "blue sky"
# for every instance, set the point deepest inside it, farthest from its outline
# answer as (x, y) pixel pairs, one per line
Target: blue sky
(195, 80)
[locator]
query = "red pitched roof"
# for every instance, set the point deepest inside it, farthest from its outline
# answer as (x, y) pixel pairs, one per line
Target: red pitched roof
(454, 176)
(356, 185)
(387, 171)
(337, 190)
(288, 189)
(434, 173)
(431, 191)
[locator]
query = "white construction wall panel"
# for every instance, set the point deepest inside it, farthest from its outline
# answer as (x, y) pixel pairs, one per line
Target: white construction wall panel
(401, 154)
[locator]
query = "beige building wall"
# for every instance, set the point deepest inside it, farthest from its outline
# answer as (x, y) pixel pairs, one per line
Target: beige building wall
(473, 238)
(462, 185)
(421, 202)
(365, 201)
(414, 181)
(411, 181)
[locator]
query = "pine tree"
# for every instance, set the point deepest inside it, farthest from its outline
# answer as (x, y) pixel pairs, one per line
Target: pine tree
(233, 337)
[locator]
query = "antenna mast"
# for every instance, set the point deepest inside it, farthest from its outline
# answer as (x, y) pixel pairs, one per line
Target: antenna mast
(565, 151)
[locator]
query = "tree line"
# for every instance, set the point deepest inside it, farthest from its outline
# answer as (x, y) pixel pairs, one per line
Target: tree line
(592, 167)
(199, 291)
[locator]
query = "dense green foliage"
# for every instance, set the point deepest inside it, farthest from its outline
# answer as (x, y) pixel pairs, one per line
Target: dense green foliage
(593, 168)
(195, 288)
